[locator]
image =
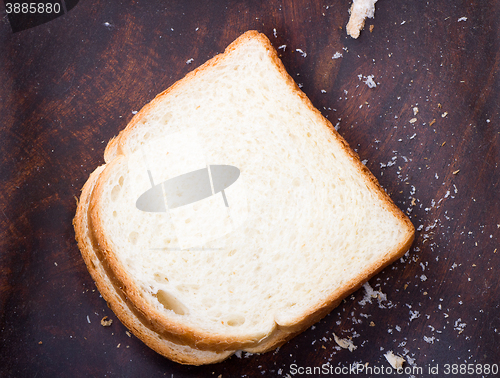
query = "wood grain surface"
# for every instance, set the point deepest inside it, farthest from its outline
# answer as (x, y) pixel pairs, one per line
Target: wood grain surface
(429, 131)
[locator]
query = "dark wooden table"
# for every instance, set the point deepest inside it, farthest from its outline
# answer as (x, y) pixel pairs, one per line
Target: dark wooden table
(429, 131)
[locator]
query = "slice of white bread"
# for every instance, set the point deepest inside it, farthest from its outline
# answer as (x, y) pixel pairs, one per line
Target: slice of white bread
(304, 225)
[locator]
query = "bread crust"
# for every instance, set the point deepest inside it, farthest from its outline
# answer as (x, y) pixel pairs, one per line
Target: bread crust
(358, 16)
(122, 293)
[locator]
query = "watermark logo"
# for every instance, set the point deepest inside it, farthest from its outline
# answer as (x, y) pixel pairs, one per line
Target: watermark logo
(181, 178)
(188, 188)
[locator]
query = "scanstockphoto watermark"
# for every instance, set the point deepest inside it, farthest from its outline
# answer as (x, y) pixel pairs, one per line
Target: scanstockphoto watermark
(360, 369)
(355, 369)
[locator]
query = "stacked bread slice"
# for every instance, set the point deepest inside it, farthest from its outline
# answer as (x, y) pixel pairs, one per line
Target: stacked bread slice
(230, 215)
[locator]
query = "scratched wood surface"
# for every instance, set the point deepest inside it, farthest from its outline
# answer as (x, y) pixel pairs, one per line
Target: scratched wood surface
(429, 131)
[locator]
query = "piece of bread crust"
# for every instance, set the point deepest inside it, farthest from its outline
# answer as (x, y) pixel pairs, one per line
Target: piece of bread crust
(115, 280)
(360, 10)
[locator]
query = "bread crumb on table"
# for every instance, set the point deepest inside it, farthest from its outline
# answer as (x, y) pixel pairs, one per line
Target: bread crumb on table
(345, 343)
(360, 10)
(106, 322)
(368, 80)
(395, 360)
(303, 53)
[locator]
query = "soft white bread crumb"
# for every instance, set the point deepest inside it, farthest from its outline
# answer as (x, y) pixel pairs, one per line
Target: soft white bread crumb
(345, 343)
(311, 226)
(395, 360)
(360, 10)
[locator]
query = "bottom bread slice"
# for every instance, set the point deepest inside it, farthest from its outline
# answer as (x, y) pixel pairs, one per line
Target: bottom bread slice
(183, 354)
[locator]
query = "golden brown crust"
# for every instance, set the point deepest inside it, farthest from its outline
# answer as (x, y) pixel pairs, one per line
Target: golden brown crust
(111, 150)
(125, 297)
